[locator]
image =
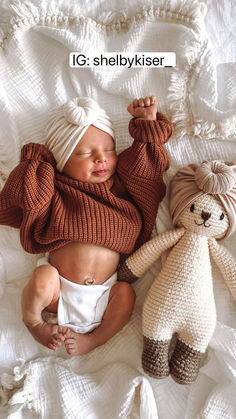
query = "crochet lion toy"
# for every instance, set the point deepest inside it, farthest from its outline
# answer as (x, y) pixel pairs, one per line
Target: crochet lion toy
(181, 300)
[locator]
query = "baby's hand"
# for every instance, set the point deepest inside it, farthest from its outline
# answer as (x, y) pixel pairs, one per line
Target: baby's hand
(143, 108)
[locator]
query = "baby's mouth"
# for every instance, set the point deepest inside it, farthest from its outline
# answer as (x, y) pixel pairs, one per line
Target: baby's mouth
(100, 173)
(201, 224)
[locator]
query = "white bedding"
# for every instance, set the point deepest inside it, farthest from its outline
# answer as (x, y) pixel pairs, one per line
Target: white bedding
(199, 96)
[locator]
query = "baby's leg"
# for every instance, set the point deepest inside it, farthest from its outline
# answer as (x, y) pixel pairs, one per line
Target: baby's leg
(41, 292)
(117, 314)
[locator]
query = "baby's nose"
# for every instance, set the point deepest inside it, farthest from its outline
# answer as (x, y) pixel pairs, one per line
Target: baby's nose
(206, 215)
(100, 157)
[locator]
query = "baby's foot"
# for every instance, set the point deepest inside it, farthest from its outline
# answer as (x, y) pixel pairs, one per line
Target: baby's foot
(49, 335)
(78, 343)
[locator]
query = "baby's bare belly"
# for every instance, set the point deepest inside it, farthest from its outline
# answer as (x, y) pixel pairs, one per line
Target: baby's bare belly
(85, 263)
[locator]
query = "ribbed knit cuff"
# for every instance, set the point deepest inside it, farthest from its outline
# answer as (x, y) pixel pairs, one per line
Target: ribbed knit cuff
(38, 152)
(148, 131)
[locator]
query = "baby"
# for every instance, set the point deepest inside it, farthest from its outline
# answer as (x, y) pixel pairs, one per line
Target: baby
(79, 203)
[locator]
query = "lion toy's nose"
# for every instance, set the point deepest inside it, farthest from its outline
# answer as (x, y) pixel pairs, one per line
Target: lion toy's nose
(206, 215)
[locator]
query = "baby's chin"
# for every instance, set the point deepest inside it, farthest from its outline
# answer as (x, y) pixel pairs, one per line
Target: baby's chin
(94, 179)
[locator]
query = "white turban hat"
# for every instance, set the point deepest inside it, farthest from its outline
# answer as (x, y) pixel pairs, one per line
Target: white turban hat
(68, 123)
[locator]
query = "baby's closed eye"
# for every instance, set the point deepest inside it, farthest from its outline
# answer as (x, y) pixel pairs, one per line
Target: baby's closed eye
(82, 152)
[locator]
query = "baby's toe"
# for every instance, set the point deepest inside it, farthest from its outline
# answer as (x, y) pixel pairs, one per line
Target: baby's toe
(70, 341)
(70, 334)
(52, 346)
(70, 348)
(70, 351)
(58, 337)
(56, 340)
(62, 330)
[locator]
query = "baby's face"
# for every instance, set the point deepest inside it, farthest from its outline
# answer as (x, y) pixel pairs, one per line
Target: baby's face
(94, 159)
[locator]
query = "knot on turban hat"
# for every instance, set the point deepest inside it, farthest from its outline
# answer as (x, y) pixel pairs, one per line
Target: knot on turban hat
(216, 178)
(68, 123)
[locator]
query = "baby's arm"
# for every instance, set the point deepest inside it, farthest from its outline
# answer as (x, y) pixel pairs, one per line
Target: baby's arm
(141, 166)
(140, 261)
(226, 263)
(29, 186)
(150, 129)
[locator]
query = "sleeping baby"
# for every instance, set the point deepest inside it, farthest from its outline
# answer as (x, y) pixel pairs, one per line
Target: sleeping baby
(82, 206)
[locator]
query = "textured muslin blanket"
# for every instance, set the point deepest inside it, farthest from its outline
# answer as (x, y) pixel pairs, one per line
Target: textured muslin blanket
(199, 96)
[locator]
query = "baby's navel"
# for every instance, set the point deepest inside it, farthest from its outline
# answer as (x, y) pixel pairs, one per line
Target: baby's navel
(89, 280)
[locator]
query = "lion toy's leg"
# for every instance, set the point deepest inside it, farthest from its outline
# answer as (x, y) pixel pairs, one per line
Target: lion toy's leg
(155, 357)
(185, 363)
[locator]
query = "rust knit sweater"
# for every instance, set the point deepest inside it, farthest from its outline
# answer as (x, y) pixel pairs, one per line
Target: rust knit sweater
(52, 209)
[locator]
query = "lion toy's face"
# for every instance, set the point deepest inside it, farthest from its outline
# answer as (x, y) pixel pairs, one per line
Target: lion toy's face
(205, 216)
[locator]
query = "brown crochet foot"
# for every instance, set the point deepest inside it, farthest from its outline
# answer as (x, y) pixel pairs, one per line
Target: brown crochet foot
(155, 357)
(185, 363)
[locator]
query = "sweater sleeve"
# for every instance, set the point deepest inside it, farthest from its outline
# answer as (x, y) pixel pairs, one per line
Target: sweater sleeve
(30, 186)
(141, 167)
(147, 158)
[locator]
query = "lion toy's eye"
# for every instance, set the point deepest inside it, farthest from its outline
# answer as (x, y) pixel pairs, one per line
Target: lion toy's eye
(192, 207)
(222, 216)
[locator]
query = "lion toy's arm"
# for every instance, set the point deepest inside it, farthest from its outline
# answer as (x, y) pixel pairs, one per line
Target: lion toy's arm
(141, 260)
(226, 263)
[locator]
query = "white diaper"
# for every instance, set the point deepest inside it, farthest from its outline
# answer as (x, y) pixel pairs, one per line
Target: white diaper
(81, 307)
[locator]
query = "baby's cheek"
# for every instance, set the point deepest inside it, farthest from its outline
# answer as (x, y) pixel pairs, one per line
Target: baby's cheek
(114, 162)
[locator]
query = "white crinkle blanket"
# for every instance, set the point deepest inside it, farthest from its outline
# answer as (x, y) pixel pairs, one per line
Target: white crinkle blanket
(199, 96)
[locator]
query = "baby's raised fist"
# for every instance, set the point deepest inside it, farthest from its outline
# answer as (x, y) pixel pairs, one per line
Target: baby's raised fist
(143, 108)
